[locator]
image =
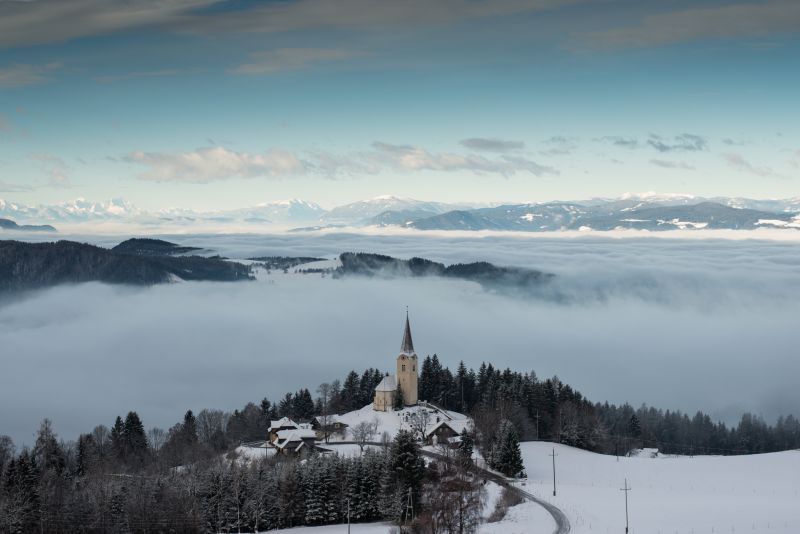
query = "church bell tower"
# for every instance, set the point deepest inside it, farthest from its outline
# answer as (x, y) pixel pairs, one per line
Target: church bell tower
(407, 368)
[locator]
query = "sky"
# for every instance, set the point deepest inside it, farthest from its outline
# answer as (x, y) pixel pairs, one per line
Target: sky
(208, 104)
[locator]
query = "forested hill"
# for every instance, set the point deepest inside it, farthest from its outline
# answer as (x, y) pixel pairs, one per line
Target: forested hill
(152, 247)
(8, 224)
(36, 265)
(487, 274)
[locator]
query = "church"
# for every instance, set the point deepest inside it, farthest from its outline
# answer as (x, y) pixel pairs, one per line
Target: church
(405, 379)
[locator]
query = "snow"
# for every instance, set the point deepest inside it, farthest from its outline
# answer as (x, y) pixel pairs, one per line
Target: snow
(755, 493)
(525, 518)
(390, 422)
(255, 453)
(794, 223)
(356, 528)
(345, 450)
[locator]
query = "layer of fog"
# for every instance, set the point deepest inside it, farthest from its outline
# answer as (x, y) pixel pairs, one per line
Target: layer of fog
(687, 325)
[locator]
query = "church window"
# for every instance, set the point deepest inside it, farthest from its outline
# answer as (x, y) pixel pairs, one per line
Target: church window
(404, 367)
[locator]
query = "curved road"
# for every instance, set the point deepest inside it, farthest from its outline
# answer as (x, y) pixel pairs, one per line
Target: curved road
(562, 523)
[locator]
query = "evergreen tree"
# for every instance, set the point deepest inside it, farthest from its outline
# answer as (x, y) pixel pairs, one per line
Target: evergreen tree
(509, 457)
(350, 392)
(408, 467)
(47, 453)
(465, 448)
(303, 405)
(118, 438)
(134, 438)
(397, 400)
(189, 430)
(21, 494)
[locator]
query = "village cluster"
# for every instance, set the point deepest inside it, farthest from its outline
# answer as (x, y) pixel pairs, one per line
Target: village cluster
(395, 406)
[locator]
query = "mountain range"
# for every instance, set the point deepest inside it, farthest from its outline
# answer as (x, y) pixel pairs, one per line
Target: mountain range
(647, 211)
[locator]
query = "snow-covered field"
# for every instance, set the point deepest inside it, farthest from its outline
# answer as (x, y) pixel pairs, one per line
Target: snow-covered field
(670, 494)
(757, 493)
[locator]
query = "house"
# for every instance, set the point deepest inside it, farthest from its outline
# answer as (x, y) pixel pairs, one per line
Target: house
(281, 424)
(446, 432)
(297, 441)
(325, 425)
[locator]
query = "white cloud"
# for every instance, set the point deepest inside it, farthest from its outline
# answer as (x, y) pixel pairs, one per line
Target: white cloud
(486, 144)
(751, 19)
(680, 143)
(560, 145)
(22, 75)
(47, 21)
(740, 163)
(206, 165)
(284, 59)
(413, 158)
(667, 164)
(56, 168)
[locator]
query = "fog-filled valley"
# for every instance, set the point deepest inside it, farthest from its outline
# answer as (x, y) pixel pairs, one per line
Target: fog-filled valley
(689, 324)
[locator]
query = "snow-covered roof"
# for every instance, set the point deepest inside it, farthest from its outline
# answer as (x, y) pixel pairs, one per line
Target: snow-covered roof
(292, 436)
(387, 384)
(282, 423)
(457, 425)
(330, 419)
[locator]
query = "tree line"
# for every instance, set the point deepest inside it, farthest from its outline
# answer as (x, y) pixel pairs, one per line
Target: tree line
(124, 478)
(552, 410)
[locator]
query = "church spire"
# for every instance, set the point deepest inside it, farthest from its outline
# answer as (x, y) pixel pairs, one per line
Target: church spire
(408, 343)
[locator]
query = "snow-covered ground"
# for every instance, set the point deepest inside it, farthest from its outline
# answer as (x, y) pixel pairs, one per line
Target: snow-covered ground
(670, 494)
(360, 528)
(390, 422)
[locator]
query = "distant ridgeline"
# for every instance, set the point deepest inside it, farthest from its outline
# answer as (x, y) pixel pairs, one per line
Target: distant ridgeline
(8, 224)
(486, 274)
(136, 262)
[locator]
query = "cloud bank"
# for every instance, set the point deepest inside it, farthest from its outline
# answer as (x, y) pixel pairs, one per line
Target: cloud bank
(209, 164)
(634, 320)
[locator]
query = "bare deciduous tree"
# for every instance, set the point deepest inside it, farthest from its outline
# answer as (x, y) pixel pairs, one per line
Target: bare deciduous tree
(364, 432)
(419, 422)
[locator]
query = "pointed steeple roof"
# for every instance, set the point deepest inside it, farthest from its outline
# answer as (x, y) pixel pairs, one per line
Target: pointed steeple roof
(408, 343)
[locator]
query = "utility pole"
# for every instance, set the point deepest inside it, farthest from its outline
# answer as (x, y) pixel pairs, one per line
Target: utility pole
(553, 454)
(410, 507)
(348, 516)
(626, 489)
(537, 425)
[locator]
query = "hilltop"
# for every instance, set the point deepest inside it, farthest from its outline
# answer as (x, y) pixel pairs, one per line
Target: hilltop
(36, 265)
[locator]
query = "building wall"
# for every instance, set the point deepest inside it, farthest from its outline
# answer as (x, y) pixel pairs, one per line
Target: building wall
(407, 377)
(383, 401)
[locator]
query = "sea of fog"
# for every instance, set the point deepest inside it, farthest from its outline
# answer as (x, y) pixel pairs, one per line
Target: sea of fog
(689, 324)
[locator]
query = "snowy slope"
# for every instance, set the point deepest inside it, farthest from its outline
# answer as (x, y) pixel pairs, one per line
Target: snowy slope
(757, 493)
(389, 422)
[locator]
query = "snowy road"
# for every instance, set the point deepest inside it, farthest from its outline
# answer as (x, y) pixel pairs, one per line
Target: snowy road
(562, 523)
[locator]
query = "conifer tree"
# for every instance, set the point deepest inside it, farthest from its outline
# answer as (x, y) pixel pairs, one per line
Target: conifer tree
(408, 467)
(397, 400)
(465, 448)
(509, 457)
(118, 438)
(134, 438)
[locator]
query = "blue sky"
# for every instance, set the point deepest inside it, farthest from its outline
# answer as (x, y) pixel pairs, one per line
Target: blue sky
(205, 104)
